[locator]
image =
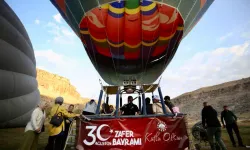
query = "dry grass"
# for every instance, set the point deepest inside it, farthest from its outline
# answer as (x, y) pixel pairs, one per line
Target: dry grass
(11, 139)
(244, 131)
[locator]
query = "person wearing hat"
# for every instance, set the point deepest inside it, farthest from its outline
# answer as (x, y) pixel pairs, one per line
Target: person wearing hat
(130, 108)
(231, 124)
(157, 106)
(90, 108)
(56, 134)
(34, 127)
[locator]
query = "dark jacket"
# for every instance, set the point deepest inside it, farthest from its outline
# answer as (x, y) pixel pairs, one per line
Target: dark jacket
(209, 117)
(149, 109)
(170, 105)
(228, 116)
(68, 121)
(129, 109)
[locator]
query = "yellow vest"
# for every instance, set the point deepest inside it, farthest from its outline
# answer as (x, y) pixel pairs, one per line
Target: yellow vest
(56, 130)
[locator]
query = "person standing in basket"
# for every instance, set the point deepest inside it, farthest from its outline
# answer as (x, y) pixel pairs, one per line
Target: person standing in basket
(157, 106)
(90, 108)
(168, 102)
(129, 108)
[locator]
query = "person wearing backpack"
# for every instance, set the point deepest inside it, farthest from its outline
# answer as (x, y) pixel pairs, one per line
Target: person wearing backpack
(56, 126)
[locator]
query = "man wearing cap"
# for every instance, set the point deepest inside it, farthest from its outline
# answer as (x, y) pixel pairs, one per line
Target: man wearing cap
(157, 106)
(130, 108)
(230, 119)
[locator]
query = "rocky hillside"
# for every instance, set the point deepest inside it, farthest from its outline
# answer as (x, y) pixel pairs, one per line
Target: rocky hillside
(52, 85)
(235, 94)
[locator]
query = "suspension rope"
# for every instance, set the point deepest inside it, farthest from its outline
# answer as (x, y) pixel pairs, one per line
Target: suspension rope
(143, 73)
(72, 13)
(141, 52)
(159, 80)
(118, 47)
(94, 59)
(80, 33)
(193, 20)
(109, 45)
(177, 8)
(187, 28)
(89, 33)
(149, 88)
(167, 47)
(190, 11)
(178, 37)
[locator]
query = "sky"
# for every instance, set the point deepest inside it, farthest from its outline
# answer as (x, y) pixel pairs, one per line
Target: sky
(217, 50)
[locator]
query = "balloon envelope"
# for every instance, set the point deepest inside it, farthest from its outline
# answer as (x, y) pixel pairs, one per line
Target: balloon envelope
(132, 39)
(18, 85)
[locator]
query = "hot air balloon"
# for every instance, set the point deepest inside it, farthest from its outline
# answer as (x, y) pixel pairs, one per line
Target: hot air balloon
(132, 39)
(18, 85)
(130, 43)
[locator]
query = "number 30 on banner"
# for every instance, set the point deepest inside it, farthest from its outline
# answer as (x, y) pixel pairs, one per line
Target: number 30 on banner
(98, 134)
(91, 135)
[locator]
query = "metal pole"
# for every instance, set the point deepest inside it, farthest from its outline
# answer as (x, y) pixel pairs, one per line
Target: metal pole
(140, 102)
(117, 102)
(107, 99)
(120, 100)
(143, 103)
(162, 102)
(99, 103)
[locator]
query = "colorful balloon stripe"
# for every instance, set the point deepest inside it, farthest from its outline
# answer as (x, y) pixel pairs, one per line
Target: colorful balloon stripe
(131, 38)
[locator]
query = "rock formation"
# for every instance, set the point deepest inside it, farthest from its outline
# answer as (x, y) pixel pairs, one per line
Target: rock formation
(235, 94)
(52, 85)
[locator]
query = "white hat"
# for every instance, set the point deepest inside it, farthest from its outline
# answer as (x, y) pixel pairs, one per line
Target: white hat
(42, 103)
(156, 97)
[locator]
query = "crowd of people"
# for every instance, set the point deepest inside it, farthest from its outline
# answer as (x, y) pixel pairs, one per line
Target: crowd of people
(57, 132)
(213, 126)
(131, 109)
(61, 119)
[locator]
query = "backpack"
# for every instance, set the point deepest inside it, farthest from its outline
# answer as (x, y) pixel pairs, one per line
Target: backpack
(56, 120)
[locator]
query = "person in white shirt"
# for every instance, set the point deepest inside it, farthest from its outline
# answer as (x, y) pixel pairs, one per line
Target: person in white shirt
(157, 106)
(90, 108)
(34, 127)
